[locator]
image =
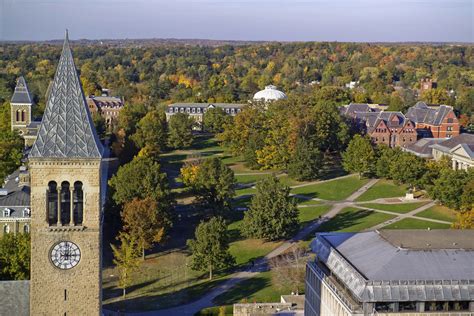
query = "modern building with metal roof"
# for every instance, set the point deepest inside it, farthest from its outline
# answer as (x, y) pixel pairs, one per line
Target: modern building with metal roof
(391, 272)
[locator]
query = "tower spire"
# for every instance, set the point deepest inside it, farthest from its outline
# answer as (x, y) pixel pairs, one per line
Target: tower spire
(67, 130)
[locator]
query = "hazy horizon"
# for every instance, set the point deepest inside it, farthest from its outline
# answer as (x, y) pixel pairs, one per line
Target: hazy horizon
(241, 20)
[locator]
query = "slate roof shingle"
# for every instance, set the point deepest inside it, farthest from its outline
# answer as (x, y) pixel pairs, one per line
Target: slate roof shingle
(21, 94)
(66, 130)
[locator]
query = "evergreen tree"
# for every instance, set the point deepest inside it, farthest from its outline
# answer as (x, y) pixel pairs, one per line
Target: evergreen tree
(306, 163)
(210, 247)
(180, 130)
(359, 156)
(273, 213)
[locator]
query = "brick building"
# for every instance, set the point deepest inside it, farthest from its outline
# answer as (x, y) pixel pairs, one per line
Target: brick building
(384, 127)
(434, 122)
(108, 107)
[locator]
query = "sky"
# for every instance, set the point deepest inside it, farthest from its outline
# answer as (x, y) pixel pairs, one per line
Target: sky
(278, 20)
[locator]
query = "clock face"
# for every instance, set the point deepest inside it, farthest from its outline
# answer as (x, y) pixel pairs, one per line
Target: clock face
(65, 255)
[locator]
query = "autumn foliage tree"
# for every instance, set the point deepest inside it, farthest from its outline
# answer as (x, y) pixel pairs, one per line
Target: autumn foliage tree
(126, 258)
(359, 156)
(146, 221)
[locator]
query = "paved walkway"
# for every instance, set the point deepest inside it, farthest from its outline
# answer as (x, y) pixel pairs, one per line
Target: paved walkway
(251, 271)
(410, 214)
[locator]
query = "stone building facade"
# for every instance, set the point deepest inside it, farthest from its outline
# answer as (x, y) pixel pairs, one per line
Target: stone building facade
(197, 110)
(66, 185)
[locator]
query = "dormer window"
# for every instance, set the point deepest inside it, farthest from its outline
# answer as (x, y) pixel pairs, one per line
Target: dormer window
(199, 110)
(6, 212)
(26, 212)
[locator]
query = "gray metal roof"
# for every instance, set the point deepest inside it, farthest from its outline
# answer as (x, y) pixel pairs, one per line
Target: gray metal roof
(450, 143)
(15, 298)
(397, 267)
(66, 130)
(422, 148)
(17, 197)
(21, 94)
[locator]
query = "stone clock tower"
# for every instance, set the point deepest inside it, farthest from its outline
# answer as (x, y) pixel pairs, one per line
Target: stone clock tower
(66, 224)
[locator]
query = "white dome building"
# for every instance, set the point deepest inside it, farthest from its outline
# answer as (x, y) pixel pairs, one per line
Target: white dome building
(270, 93)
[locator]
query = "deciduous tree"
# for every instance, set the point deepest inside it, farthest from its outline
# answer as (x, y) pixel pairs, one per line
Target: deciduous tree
(152, 132)
(215, 119)
(306, 163)
(180, 130)
(147, 221)
(141, 178)
(273, 213)
(15, 257)
(11, 152)
(126, 258)
(359, 156)
(210, 247)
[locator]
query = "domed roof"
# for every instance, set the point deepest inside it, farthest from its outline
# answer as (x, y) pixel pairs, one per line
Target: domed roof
(270, 93)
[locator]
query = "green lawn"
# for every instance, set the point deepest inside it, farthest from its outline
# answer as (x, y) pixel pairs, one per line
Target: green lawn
(246, 191)
(250, 178)
(309, 214)
(383, 189)
(412, 223)
(351, 219)
(256, 289)
(397, 208)
(439, 212)
(334, 190)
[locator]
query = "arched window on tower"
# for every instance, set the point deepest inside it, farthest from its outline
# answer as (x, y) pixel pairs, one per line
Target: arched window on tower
(78, 198)
(23, 116)
(26, 228)
(65, 203)
(18, 115)
(52, 202)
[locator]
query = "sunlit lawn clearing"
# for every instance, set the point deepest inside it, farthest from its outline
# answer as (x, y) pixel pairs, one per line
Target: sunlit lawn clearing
(439, 212)
(396, 208)
(335, 190)
(383, 189)
(351, 219)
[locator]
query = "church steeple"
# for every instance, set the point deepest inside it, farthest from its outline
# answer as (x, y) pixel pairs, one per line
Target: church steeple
(67, 130)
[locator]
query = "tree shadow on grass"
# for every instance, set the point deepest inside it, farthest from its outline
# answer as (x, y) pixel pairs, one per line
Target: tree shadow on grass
(166, 300)
(242, 290)
(344, 220)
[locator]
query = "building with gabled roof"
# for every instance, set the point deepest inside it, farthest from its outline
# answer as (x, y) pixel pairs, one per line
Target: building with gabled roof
(391, 272)
(439, 122)
(21, 107)
(67, 186)
(459, 148)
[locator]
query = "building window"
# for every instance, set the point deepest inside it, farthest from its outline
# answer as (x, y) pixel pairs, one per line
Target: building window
(6, 229)
(384, 307)
(181, 110)
(26, 212)
(199, 110)
(227, 111)
(171, 110)
(18, 115)
(52, 202)
(65, 203)
(232, 111)
(407, 306)
(448, 135)
(187, 110)
(193, 110)
(23, 116)
(450, 120)
(26, 229)
(78, 199)
(449, 128)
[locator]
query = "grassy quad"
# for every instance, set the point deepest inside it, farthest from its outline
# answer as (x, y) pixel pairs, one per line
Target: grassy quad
(309, 214)
(351, 219)
(256, 289)
(413, 223)
(396, 208)
(383, 189)
(334, 190)
(439, 212)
